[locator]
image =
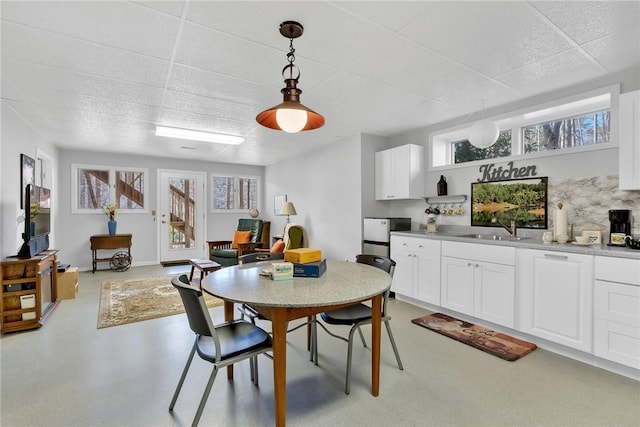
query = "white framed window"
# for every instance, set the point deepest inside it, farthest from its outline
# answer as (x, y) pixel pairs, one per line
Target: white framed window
(233, 193)
(584, 121)
(95, 186)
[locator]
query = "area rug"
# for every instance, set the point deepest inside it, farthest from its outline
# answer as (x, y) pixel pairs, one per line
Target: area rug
(134, 300)
(492, 342)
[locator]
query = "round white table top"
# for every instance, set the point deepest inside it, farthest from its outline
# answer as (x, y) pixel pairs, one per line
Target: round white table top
(343, 282)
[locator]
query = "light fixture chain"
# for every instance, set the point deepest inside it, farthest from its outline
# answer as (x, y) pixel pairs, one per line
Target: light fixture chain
(291, 57)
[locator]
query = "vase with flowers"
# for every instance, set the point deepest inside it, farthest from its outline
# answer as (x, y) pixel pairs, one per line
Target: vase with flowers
(110, 211)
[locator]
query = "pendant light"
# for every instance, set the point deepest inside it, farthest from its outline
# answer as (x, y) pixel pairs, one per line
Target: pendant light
(483, 133)
(291, 115)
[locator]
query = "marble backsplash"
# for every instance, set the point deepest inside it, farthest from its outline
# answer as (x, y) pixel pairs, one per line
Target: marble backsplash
(588, 201)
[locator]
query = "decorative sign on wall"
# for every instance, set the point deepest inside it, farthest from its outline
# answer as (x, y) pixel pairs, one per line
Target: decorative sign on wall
(491, 173)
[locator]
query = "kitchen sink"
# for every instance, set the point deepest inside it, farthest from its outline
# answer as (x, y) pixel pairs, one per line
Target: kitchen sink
(492, 237)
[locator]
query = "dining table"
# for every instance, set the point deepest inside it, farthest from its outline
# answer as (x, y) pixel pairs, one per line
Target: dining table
(281, 301)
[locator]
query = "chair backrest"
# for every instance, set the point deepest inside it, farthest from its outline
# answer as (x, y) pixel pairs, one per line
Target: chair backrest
(195, 307)
(260, 256)
(252, 225)
(295, 237)
(383, 263)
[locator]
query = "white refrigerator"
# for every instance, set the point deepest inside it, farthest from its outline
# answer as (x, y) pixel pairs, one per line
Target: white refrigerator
(376, 234)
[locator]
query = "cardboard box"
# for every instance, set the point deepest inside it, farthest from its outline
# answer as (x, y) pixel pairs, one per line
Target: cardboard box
(29, 316)
(27, 301)
(310, 269)
(68, 283)
(303, 255)
(282, 271)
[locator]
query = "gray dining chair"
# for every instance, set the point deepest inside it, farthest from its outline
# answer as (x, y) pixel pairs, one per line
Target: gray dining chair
(356, 316)
(222, 345)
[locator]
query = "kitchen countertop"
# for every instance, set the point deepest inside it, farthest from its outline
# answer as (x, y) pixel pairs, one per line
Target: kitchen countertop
(526, 242)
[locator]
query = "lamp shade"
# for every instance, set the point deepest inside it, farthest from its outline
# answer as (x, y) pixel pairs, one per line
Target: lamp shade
(288, 209)
(483, 133)
(291, 115)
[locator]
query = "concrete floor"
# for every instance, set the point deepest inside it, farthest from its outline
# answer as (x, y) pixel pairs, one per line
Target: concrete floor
(69, 373)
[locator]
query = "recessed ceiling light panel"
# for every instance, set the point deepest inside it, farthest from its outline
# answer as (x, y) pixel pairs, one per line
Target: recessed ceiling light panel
(196, 135)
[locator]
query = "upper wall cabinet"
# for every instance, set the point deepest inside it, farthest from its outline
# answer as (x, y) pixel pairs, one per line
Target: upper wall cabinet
(400, 173)
(630, 141)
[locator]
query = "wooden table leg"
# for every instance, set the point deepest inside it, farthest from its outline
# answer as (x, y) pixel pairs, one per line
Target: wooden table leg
(376, 328)
(228, 316)
(279, 330)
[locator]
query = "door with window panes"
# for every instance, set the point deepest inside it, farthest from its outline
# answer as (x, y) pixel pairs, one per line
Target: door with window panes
(181, 211)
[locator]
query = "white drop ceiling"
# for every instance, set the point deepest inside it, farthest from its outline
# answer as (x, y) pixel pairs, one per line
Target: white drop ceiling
(100, 75)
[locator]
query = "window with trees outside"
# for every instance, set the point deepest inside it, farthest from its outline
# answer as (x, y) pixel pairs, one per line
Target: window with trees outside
(576, 122)
(94, 187)
(234, 193)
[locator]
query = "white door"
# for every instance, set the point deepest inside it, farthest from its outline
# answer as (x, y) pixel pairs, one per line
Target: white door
(181, 211)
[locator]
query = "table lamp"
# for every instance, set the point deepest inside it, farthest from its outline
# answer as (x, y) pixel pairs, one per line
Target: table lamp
(288, 209)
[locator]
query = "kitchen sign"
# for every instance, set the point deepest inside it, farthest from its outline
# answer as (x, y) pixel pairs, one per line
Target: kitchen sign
(491, 173)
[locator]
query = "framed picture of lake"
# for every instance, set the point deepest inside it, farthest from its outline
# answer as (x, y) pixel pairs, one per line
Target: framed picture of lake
(521, 200)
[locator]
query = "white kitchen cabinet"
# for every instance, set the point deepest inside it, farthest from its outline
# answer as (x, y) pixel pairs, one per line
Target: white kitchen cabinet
(616, 334)
(399, 173)
(479, 280)
(417, 273)
(555, 296)
(629, 141)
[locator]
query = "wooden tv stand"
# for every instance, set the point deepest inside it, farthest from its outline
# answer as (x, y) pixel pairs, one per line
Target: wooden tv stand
(109, 241)
(26, 285)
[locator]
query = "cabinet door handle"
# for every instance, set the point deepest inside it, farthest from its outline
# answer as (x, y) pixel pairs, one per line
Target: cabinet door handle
(565, 257)
(468, 264)
(477, 265)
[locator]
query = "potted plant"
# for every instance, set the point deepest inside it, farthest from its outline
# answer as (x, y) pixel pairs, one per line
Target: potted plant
(110, 211)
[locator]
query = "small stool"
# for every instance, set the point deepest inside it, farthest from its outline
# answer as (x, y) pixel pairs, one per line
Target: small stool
(205, 266)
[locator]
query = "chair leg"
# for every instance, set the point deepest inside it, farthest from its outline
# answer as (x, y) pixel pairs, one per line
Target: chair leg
(364, 343)
(313, 353)
(205, 397)
(255, 370)
(347, 387)
(182, 377)
(393, 344)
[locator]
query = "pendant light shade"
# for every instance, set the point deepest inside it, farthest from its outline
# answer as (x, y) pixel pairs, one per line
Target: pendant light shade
(291, 115)
(483, 134)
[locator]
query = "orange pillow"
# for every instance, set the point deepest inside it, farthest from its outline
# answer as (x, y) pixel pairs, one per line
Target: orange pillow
(278, 246)
(240, 237)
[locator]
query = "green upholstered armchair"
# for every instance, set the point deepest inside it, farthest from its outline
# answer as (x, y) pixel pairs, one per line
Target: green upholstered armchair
(221, 251)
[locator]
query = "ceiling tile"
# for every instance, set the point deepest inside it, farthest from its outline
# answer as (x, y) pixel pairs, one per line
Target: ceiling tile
(81, 56)
(122, 24)
(554, 72)
(617, 51)
(604, 17)
(490, 37)
(414, 68)
(28, 74)
(393, 15)
(366, 93)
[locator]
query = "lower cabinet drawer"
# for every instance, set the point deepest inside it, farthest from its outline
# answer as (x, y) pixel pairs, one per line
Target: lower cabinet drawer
(618, 343)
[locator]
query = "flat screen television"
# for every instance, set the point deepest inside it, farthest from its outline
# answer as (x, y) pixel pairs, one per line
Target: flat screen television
(37, 223)
(522, 200)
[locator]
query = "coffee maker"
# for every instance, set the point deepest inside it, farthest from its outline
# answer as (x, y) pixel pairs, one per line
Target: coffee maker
(620, 226)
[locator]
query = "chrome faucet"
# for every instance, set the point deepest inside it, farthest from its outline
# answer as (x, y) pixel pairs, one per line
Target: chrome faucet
(512, 229)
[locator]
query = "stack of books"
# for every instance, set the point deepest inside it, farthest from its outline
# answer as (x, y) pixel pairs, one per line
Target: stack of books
(307, 262)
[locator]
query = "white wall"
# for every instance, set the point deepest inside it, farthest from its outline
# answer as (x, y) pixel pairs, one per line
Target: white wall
(74, 241)
(325, 187)
(18, 137)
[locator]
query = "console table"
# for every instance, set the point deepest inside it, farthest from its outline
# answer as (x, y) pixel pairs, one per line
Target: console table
(119, 260)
